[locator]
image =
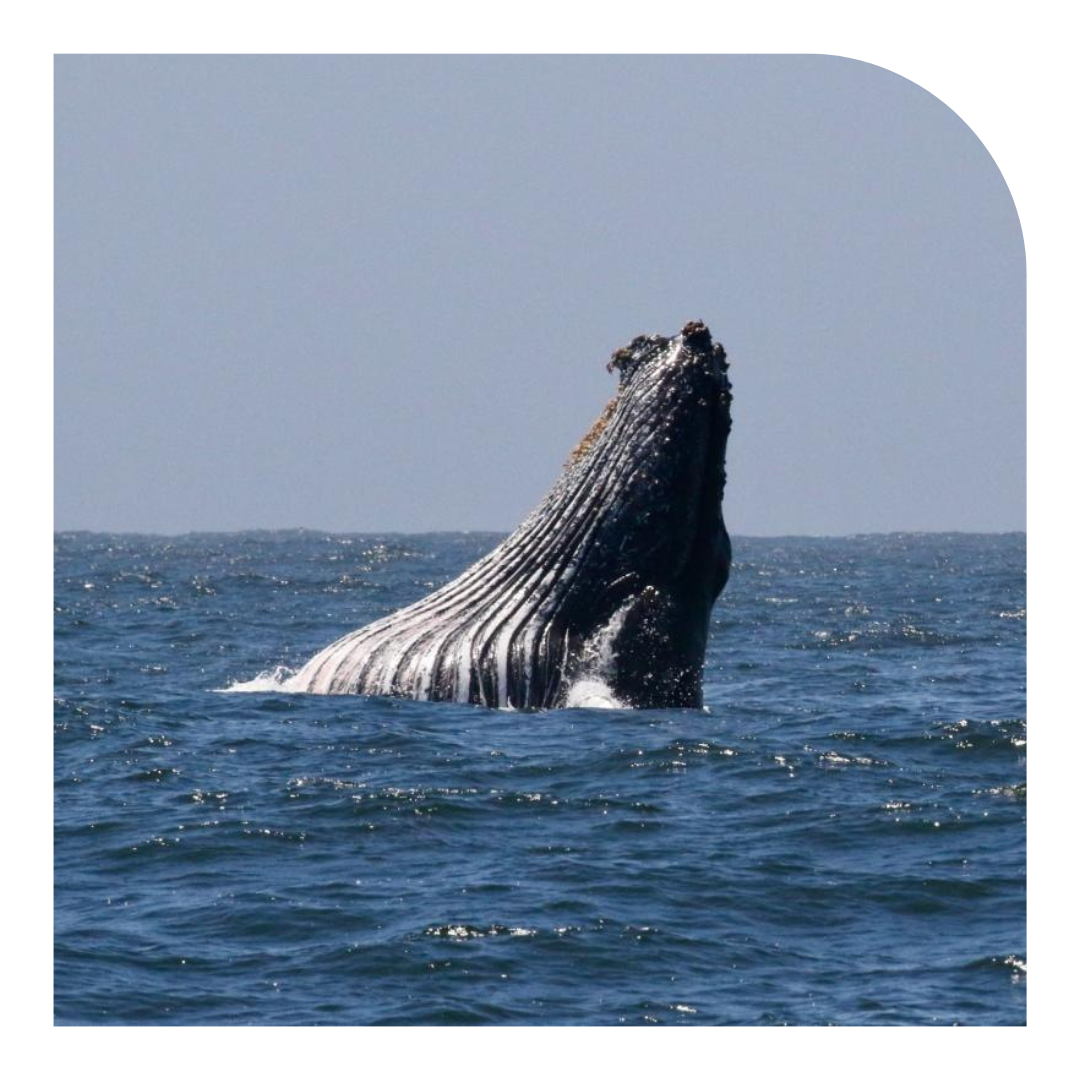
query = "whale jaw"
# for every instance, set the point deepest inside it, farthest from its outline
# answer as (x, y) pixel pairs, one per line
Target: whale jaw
(611, 578)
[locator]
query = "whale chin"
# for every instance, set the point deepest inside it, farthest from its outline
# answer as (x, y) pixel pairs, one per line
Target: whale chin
(608, 583)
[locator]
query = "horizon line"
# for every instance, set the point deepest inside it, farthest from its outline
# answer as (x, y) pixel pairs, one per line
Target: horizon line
(507, 532)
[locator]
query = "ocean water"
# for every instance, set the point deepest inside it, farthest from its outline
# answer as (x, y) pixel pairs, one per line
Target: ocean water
(837, 838)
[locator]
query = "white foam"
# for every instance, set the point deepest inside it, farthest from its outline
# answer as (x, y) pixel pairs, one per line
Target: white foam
(591, 690)
(592, 693)
(278, 681)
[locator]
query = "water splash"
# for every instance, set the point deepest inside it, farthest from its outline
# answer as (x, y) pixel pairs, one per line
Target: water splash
(592, 693)
(278, 681)
(591, 689)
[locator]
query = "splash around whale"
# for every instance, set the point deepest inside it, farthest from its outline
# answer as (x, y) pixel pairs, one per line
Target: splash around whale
(608, 583)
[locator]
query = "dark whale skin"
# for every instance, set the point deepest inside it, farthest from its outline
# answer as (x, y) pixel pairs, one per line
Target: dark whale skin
(610, 580)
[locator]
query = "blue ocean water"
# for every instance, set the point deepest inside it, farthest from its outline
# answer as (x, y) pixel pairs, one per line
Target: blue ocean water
(838, 838)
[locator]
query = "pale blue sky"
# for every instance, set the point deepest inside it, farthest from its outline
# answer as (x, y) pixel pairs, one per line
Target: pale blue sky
(378, 293)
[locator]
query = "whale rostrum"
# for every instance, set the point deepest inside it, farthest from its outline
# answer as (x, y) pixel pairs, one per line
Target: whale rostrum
(611, 578)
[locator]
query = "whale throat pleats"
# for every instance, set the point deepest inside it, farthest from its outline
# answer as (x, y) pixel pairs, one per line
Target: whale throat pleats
(608, 582)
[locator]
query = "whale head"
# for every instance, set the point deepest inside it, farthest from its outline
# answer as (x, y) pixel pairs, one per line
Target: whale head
(646, 488)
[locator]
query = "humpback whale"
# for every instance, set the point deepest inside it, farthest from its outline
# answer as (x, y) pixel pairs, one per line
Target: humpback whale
(611, 578)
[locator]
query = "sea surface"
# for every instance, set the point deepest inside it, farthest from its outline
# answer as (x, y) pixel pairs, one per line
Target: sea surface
(837, 838)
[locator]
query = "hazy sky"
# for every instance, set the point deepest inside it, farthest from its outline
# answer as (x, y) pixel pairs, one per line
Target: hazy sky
(378, 293)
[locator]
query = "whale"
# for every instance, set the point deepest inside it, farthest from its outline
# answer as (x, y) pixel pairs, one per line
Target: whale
(609, 582)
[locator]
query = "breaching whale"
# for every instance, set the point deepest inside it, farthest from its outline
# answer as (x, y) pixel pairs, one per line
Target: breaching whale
(611, 578)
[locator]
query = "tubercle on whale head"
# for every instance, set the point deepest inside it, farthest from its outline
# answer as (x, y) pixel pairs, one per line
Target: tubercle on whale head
(695, 335)
(689, 357)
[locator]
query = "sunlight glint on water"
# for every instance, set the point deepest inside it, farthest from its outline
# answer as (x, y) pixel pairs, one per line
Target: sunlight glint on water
(839, 837)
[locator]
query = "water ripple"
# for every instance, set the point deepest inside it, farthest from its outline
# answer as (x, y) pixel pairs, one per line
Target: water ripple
(838, 838)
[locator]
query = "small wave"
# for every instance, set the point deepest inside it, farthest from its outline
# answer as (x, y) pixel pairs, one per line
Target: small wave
(1015, 964)
(1008, 734)
(278, 681)
(875, 636)
(463, 930)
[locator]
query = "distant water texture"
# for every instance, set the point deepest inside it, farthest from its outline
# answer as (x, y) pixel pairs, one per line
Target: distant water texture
(838, 838)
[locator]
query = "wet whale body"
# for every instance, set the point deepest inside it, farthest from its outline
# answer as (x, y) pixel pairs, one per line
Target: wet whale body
(610, 580)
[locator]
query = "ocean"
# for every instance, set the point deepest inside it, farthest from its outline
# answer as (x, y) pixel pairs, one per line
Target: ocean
(838, 837)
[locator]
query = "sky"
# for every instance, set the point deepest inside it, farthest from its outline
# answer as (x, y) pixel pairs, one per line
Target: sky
(378, 293)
